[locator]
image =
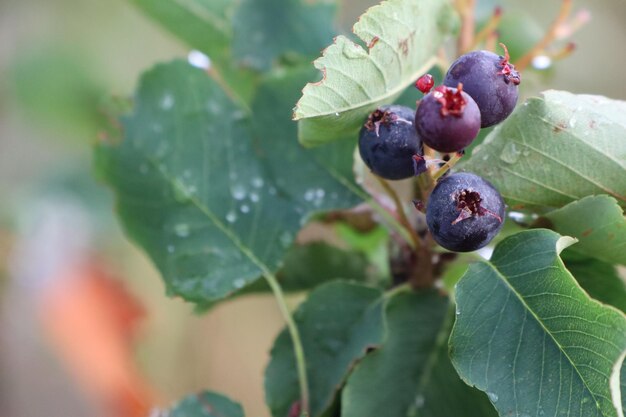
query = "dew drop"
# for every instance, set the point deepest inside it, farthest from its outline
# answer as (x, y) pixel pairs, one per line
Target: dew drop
(170, 248)
(244, 208)
(238, 192)
(493, 397)
(239, 283)
(309, 195)
(257, 182)
(272, 191)
(167, 101)
(213, 107)
(181, 230)
(254, 197)
(320, 193)
(181, 194)
(231, 217)
(199, 60)
(419, 401)
(541, 62)
(510, 154)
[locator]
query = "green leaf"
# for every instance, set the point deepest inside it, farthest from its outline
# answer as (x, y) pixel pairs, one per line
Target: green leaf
(205, 25)
(555, 149)
(337, 323)
(599, 279)
(202, 24)
(403, 37)
(316, 263)
(307, 266)
(193, 190)
(528, 335)
(410, 374)
(267, 29)
(599, 225)
(444, 394)
(317, 178)
(602, 282)
(206, 404)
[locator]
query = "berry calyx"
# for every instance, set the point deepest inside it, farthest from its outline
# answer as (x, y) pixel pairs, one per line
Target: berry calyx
(452, 101)
(425, 83)
(447, 119)
(508, 69)
(464, 212)
(468, 203)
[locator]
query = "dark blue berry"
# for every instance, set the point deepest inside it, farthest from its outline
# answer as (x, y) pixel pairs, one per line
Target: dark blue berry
(389, 145)
(447, 119)
(491, 81)
(464, 212)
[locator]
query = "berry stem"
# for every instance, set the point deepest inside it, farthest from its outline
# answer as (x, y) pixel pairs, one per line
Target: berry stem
(453, 160)
(401, 213)
(298, 349)
(466, 38)
(551, 34)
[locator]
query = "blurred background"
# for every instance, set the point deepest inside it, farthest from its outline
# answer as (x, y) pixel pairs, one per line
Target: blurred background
(85, 326)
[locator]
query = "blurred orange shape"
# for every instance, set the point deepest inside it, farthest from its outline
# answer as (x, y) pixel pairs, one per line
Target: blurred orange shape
(90, 319)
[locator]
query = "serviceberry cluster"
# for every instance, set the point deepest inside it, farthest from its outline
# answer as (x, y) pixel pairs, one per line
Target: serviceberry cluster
(464, 211)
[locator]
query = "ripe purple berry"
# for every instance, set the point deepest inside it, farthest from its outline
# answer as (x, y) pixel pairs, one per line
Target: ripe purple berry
(389, 145)
(447, 119)
(464, 212)
(490, 79)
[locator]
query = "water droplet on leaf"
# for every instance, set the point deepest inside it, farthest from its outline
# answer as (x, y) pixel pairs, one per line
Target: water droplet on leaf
(167, 101)
(238, 192)
(182, 230)
(231, 217)
(510, 153)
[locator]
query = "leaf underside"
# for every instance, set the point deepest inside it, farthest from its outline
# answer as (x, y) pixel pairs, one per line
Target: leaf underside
(556, 149)
(402, 39)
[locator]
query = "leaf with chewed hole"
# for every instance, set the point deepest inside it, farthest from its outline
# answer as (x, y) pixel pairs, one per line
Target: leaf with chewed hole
(555, 149)
(402, 38)
(529, 336)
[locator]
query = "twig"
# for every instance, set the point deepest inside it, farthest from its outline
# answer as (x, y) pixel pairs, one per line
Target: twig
(564, 12)
(489, 29)
(466, 38)
(401, 213)
(453, 160)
